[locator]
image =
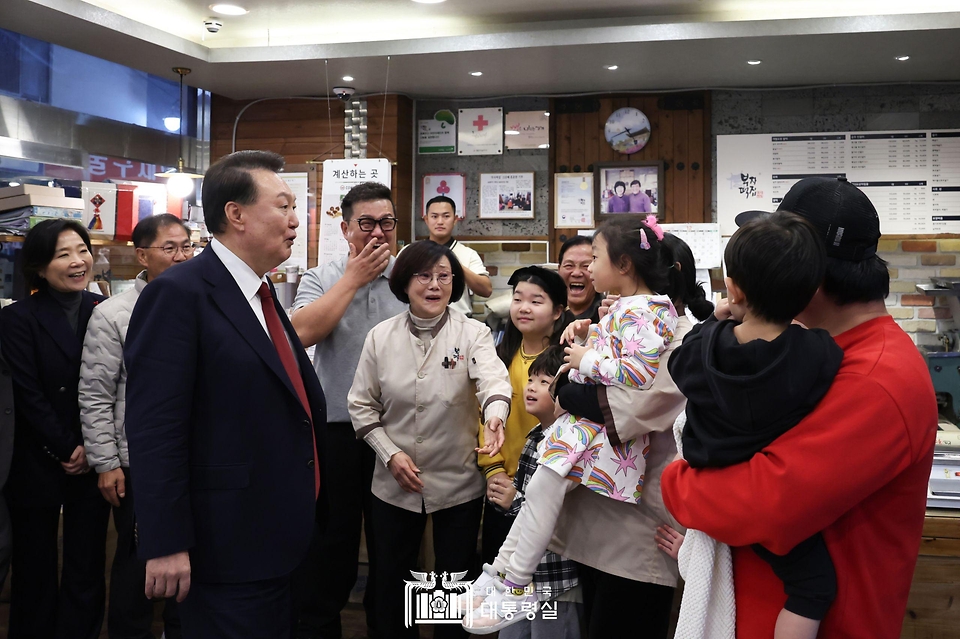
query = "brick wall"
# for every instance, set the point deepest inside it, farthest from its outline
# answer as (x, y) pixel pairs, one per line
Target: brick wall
(501, 260)
(914, 262)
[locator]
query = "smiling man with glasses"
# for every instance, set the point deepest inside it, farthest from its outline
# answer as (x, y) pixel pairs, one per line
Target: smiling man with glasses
(337, 304)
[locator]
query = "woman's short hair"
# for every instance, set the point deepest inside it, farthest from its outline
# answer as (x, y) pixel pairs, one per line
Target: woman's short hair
(40, 245)
(419, 257)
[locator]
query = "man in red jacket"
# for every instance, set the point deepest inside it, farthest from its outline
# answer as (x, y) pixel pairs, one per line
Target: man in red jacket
(856, 468)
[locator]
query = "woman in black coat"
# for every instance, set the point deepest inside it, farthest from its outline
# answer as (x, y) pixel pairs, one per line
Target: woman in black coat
(41, 339)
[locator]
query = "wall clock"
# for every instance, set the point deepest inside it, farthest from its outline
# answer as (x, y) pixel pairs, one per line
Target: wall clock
(627, 130)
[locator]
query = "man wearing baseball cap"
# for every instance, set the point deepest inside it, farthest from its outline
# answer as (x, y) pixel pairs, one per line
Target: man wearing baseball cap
(856, 468)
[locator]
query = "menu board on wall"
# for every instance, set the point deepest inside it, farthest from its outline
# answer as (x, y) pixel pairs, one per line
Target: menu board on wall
(912, 177)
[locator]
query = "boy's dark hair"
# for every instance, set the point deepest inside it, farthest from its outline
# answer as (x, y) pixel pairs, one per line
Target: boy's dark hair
(637, 182)
(778, 261)
(40, 245)
(441, 199)
(846, 282)
(229, 180)
(576, 240)
(420, 257)
(548, 362)
(145, 232)
(623, 246)
(682, 284)
(365, 192)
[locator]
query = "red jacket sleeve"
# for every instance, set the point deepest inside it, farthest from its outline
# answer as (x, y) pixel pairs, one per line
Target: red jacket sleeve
(853, 442)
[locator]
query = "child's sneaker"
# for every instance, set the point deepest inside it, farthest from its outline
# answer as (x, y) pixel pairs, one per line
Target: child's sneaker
(479, 589)
(503, 607)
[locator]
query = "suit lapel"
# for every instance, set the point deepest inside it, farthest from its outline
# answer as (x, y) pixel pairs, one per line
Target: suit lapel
(54, 321)
(227, 296)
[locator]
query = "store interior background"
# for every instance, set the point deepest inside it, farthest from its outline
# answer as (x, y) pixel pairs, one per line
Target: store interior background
(683, 63)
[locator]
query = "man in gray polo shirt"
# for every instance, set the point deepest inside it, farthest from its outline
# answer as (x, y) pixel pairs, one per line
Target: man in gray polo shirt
(337, 304)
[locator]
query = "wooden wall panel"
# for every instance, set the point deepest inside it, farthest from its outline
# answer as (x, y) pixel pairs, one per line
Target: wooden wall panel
(677, 135)
(307, 132)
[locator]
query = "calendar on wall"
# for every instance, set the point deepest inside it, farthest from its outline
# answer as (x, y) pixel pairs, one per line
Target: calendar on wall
(703, 240)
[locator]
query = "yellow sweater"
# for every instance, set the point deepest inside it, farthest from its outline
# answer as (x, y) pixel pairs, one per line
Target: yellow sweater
(519, 423)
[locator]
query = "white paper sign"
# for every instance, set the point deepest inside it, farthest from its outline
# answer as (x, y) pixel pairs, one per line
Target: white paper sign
(506, 196)
(438, 135)
(573, 200)
(451, 185)
(527, 130)
(339, 176)
(299, 183)
(911, 177)
(480, 132)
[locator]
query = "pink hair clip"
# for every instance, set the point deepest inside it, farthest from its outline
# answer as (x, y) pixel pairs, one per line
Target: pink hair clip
(654, 225)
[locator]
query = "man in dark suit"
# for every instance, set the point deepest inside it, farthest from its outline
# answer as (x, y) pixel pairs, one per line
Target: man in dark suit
(224, 416)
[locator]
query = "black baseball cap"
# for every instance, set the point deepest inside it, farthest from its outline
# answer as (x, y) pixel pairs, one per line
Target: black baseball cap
(749, 216)
(840, 212)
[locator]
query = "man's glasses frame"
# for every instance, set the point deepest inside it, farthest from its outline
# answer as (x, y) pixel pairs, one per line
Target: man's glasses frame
(171, 249)
(367, 224)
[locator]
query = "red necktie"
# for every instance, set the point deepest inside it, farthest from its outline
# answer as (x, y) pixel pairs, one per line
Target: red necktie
(279, 338)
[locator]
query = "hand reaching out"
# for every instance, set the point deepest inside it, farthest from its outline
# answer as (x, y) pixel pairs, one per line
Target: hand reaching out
(493, 437)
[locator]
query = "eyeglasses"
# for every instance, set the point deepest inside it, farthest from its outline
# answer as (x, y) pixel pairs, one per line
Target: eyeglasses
(367, 224)
(442, 278)
(171, 249)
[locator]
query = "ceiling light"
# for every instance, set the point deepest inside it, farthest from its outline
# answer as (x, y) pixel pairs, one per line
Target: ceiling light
(546, 114)
(171, 124)
(754, 63)
(179, 182)
(611, 67)
(903, 58)
(348, 78)
(228, 9)
(14, 183)
(475, 74)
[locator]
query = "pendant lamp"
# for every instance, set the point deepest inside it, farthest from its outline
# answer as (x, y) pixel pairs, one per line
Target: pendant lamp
(180, 183)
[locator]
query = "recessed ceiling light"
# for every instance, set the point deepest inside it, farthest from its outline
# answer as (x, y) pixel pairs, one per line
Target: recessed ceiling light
(348, 78)
(903, 58)
(754, 63)
(228, 9)
(475, 74)
(611, 67)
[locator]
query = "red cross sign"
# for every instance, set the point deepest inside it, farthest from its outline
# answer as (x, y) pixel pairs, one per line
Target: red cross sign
(480, 122)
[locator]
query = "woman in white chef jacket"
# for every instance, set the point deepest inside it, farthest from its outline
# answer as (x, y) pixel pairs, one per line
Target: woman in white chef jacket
(423, 378)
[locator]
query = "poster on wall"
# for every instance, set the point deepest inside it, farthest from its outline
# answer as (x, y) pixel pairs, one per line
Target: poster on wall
(480, 132)
(573, 200)
(527, 130)
(339, 176)
(506, 196)
(452, 185)
(438, 135)
(299, 183)
(628, 187)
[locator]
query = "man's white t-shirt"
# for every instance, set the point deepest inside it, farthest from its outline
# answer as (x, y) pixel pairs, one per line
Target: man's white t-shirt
(470, 259)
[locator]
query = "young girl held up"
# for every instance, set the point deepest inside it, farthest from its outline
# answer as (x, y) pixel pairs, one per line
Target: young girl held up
(623, 349)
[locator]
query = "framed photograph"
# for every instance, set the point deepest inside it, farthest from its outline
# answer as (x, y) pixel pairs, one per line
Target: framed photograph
(506, 196)
(628, 188)
(453, 185)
